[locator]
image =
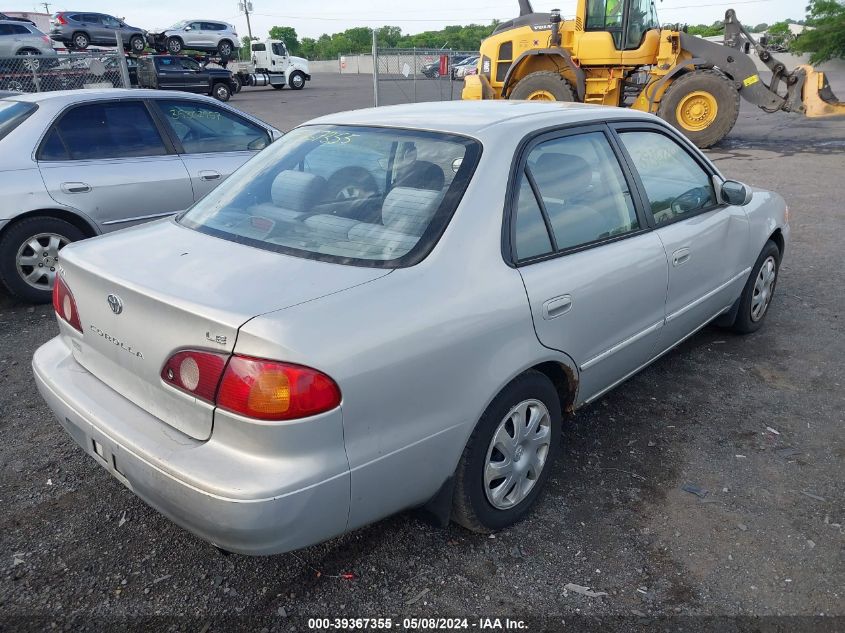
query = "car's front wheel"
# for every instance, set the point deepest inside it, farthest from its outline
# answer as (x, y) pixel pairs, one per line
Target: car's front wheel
(759, 290)
(297, 80)
(221, 91)
(508, 456)
(137, 44)
(29, 256)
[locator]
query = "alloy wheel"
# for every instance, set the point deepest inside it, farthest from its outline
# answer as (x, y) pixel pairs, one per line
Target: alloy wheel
(38, 258)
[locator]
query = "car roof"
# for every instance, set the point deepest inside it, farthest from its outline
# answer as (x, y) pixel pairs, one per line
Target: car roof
(477, 118)
(62, 97)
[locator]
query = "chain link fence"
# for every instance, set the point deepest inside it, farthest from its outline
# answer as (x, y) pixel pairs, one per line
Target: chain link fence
(64, 71)
(414, 75)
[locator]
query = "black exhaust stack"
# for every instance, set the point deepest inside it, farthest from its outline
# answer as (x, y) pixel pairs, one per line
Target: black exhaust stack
(554, 19)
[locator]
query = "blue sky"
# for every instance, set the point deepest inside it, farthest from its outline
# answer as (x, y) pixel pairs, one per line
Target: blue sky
(328, 16)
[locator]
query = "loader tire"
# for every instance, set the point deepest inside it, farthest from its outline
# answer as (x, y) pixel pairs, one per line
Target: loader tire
(543, 85)
(702, 105)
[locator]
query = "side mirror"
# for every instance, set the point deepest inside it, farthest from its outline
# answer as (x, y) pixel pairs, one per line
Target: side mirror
(735, 193)
(187, 28)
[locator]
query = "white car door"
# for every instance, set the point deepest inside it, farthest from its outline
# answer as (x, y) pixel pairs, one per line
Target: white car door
(594, 272)
(109, 160)
(212, 141)
(706, 242)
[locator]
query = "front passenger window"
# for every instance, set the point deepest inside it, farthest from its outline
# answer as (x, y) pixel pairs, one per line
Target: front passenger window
(676, 185)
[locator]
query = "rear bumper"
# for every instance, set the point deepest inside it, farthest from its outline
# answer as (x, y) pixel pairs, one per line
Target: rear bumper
(234, 497)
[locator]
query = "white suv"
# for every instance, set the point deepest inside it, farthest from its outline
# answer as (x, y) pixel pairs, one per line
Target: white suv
(208, 36)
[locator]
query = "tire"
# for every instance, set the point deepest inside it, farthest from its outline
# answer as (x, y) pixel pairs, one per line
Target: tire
(224, 49)
(80, 41)
(174, 45)
(137, 44)
(697, 93)
(277, 87)
(237, 82)
(296, 81)
(15, 240)
(221, 91)
(747, 318)
(542, 86)
(472, 502)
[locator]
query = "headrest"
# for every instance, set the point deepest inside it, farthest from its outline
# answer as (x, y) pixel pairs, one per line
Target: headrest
(410, 210)
(297, 190)
(422, 174)
(562, 175)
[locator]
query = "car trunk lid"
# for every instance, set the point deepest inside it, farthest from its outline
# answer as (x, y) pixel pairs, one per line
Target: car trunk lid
(147, 292)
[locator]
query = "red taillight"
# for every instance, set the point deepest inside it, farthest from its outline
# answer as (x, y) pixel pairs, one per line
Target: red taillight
(252, 387)
(269, 390)
(61, 19)
(64, 304)
(196, 372)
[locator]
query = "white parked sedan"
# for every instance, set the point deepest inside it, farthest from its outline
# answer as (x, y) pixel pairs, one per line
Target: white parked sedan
(394, 308)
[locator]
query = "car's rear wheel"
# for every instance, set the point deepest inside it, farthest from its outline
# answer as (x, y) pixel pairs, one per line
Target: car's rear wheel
(508, 456)
(759, 290)
(29, 255)
(296, 80)
(137, 44)
(174, 45)
(80, 41)
(221, 91)
(224, 49)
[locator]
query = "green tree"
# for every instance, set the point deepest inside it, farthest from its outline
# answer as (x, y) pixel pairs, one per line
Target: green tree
(702, 30)
(288, 35)
(245, 52)
(825, 38)
(779, 36)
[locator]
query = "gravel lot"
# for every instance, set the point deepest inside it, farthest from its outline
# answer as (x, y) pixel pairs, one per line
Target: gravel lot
(757, 421)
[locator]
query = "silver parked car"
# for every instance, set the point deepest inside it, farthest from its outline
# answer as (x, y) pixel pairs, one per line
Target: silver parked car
(393, 308)
(209, 36)
(20, 38)
(78, 163)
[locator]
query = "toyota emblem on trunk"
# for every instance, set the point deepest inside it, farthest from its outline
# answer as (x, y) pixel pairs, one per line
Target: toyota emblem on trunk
(115, 303)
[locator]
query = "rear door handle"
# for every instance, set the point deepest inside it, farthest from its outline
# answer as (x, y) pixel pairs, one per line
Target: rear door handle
(680, 256)
(209, 175)
(555, 307)
(75, 187)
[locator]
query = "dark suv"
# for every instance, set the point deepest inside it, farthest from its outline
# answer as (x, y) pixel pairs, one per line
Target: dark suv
(178, 72)
(76, 29)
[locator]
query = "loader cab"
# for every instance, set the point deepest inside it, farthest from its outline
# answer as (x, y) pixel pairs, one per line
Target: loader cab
(627, 21)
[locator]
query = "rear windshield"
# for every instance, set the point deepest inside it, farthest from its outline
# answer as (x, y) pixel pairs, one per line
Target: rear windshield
(12, 114)
(353, 195)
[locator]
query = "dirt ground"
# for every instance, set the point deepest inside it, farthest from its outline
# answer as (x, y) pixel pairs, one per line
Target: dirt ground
(756, 421)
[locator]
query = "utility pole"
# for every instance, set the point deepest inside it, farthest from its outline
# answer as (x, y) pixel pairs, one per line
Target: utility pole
(46, 6)
(246, 7)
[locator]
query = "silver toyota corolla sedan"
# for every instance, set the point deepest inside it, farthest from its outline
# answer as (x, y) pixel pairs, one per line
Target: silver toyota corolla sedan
(394, 308)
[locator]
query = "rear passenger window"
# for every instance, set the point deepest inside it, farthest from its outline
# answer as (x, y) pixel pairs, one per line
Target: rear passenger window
(103, 130)
(582, 192)
(532, 236)
(204, 129)
(674, 182)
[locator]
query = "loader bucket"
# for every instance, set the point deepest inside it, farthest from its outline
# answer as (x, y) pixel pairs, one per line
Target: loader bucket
(817, 97)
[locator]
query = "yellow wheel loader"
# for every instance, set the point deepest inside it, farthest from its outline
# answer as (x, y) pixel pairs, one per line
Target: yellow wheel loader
(615, 53)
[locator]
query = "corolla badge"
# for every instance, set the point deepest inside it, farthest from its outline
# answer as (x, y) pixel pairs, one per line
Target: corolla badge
(115, 303)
